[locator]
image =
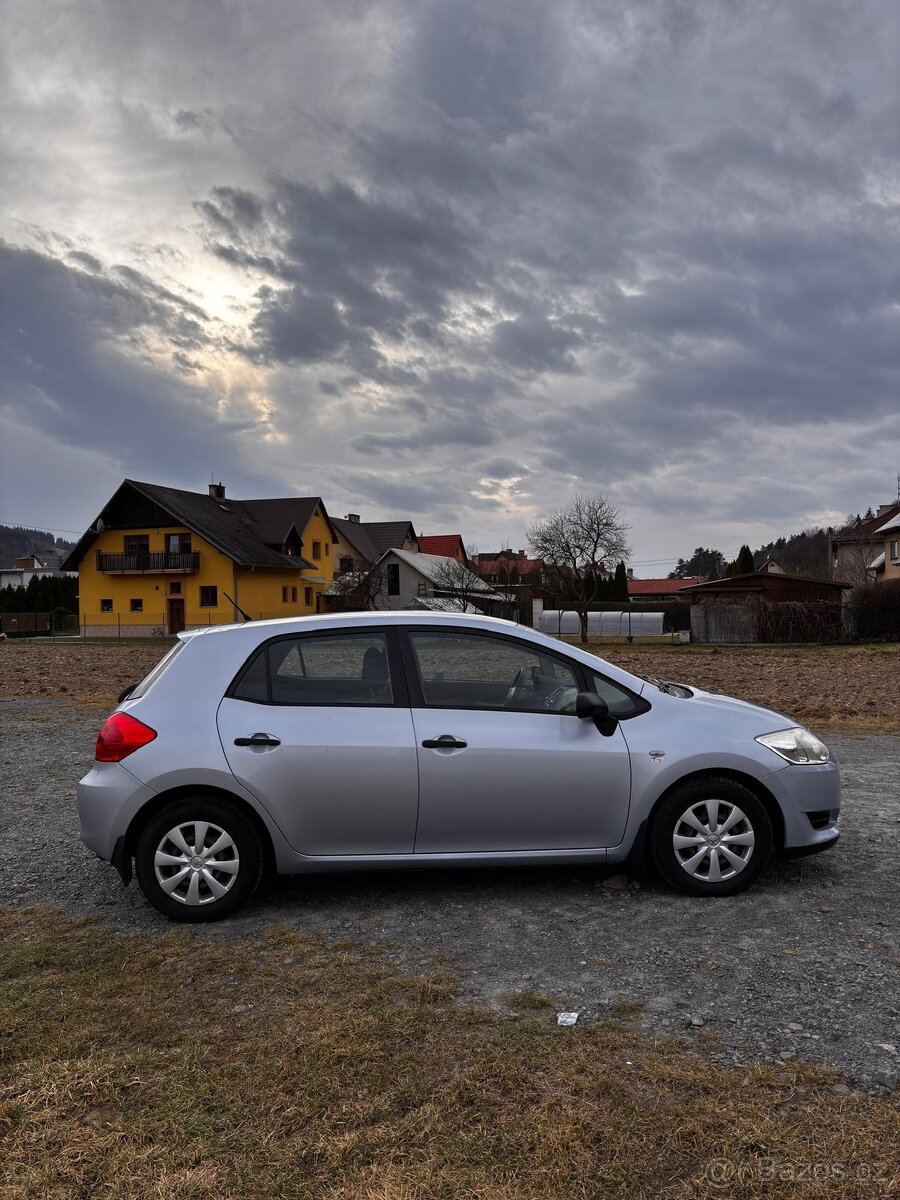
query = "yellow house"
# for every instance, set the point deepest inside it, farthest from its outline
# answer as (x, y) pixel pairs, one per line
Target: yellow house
(887, 565)
(158, 560)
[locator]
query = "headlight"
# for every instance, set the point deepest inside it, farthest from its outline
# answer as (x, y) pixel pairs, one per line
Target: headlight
(796, 745)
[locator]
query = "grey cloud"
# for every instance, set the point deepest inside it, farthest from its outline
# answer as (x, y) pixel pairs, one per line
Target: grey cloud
(646, 252)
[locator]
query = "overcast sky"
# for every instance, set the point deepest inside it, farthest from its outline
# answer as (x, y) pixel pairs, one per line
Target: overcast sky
(455, 261)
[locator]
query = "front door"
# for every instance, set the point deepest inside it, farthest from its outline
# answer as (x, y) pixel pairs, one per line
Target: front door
(176, 615)
(504, 764)
(335, 765)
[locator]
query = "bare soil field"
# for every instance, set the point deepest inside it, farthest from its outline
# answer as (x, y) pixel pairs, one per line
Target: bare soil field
(835, 687)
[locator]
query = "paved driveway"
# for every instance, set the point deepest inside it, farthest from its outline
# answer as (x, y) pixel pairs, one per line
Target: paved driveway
(805, 964)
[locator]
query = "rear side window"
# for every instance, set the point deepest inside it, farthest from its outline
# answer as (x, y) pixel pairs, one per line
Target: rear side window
(163, 665)
(347, 668)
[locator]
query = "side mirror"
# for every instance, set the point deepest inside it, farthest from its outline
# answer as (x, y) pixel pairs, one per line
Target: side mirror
(591, 707)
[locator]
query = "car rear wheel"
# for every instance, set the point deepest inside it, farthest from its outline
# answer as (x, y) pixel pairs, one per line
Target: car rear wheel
(198, 860)
(711, 837)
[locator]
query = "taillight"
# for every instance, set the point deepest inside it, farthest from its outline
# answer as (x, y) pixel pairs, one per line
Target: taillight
(120, 736)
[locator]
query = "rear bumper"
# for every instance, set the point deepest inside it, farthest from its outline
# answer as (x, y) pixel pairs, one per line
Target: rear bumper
(108, 797)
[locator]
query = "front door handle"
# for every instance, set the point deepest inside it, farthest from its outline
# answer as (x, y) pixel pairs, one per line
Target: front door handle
(445, 742)
(258, 739)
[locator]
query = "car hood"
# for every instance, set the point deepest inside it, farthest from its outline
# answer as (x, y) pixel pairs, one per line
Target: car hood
(716, 705)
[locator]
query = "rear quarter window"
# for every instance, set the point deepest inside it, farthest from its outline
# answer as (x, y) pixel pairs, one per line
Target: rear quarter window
(161, 667)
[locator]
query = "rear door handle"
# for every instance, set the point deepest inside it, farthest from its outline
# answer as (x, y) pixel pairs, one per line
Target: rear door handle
(445, 742)
(258, 739)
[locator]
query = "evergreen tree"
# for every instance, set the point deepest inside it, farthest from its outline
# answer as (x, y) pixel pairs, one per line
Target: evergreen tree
(621, 581)
(743, 564)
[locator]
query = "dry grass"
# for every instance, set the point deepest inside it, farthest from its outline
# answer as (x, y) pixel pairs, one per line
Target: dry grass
(176, 1066)
(842, 688)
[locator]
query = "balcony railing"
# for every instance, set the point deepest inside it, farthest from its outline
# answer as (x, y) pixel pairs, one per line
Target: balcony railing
(135, 564)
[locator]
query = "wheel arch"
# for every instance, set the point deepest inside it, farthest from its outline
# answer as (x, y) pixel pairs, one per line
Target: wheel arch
(162, 799)
(762, 793)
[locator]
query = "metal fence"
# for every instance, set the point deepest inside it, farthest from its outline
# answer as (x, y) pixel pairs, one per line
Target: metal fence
(38, 624)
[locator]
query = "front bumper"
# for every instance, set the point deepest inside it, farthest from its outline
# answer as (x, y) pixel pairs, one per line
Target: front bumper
(804, 794)
(108, 797)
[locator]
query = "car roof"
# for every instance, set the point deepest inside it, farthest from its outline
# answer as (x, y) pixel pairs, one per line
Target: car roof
(383, 617)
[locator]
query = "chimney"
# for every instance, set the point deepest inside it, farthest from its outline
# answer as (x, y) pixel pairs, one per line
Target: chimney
(353, 517)
(629, 572)
(217, 491)
(883, 508)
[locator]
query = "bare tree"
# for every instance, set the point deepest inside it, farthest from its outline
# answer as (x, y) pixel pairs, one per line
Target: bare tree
(454, 580)
(575, 543)
(358, 590)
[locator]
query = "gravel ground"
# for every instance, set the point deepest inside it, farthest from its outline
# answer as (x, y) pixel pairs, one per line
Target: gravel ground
(806, 964)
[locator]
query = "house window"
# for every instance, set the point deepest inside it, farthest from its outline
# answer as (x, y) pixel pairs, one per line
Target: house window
(895, 546)
(344, 565)
(393, 579)
(327, 549)
(293, 595)
(137, 543)
(317, 550)
(209, 597)
(284, 595)
(136, 605)
(178, 543)
(106, 605)
(307, 597)
(174, 589)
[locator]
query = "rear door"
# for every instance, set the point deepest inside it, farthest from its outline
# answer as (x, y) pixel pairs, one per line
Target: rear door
(504, 763)
(318, 728)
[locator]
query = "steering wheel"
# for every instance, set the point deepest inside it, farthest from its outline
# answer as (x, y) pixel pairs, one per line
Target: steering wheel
(513, 694)
(561, 699)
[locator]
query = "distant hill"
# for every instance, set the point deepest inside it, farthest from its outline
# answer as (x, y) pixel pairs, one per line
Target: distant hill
(17, 542)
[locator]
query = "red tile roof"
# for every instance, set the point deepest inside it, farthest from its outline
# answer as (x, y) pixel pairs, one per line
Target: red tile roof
(508, 562)
(446, 545)
(656, 587)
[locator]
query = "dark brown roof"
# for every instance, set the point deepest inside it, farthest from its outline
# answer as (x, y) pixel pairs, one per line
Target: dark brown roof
(225, 524)
(287, 510)
(389, 535)
(765, 579)
(864, 531)
(356, 534)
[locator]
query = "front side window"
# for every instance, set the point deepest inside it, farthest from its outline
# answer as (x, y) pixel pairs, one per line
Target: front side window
(393, 579)
(209, 597)
(344, 669)
(622, 703)
(466, 670)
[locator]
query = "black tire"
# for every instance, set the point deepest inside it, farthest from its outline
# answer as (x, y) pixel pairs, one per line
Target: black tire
(246, 851)
(679, 803)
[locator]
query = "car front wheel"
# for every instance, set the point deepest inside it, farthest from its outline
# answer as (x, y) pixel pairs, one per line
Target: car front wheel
(198, 860)
(711, 837)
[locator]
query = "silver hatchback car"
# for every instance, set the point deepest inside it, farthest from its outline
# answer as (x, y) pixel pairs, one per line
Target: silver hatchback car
(405, 739)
